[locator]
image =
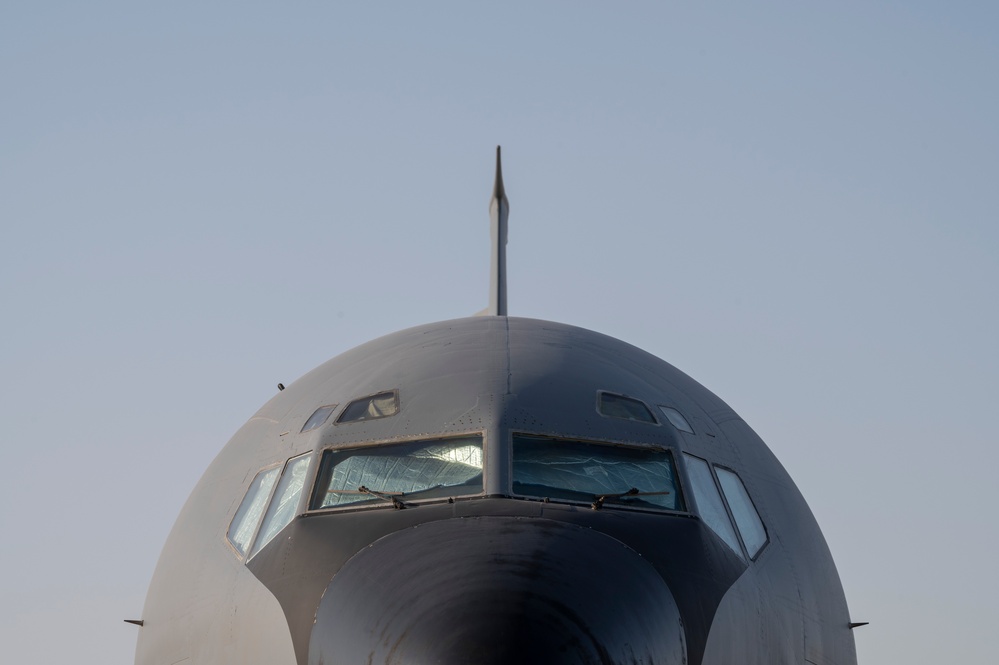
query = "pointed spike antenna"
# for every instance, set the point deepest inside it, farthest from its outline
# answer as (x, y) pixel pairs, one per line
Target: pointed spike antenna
(499, 211)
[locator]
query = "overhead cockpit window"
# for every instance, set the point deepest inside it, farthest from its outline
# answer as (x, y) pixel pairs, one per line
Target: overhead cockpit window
(285, 502)
(318, 417)
(598, 474)
(754, 535)
(399, 472)
(709, 501)
(381, 405)
(244, 524)
(619, 406)
(676, 418)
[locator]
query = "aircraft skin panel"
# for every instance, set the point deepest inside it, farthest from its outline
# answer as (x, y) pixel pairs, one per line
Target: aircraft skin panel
(823, 607)
(510, 605)
(497, 376)
(203, 604)
(695, 565)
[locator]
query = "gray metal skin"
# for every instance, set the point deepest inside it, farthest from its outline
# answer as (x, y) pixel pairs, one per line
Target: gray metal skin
(495, 579)
(499, 213)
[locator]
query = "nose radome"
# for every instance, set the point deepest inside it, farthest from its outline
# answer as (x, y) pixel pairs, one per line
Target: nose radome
(497, 590)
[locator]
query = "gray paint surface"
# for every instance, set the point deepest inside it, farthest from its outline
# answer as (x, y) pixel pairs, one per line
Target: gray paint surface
(495, 375)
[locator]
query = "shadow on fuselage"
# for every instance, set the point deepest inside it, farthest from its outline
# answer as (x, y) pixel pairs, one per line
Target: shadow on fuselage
(498, 581)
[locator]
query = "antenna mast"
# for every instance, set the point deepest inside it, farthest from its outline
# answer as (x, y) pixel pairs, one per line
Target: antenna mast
(499, 210)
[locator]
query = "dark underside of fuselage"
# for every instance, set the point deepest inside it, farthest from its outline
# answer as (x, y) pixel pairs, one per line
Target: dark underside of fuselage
(496, 580)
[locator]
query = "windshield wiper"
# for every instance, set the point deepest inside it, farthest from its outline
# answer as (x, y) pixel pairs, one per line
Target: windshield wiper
(598, 500)
(384, 496)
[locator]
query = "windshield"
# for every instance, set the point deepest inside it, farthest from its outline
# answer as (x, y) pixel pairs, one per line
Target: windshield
(600, 474)
(395, 473)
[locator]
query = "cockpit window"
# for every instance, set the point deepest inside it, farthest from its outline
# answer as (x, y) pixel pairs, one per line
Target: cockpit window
(676, 419)
(754, 535)
(598, 474)
(381, 405)
(709, 501)
(244, 524)
(318, 417)
(619, 406)
(284, 505)
(396, 473)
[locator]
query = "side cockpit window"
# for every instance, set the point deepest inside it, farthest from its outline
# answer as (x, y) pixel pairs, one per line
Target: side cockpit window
(751, 528)
(709, 501)
(676, 419)
(712, 506)
(318, 417)
(381, 405)
(599, 474)
(284, 505)
(627, 408)
(244, 524)
(243, 531)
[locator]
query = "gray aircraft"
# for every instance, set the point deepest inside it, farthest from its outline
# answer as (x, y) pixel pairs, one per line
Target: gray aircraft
(495, 490)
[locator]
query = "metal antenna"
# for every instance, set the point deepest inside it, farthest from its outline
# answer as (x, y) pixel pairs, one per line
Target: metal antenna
(499, 210)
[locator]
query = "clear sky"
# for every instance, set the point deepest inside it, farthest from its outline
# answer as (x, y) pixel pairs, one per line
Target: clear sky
(795, 203)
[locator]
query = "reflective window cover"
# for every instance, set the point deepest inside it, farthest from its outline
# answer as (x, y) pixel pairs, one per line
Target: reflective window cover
(619, 406)
(318, 417)
(244, 524)
(709, 501)
(381, 405)
(413, 470)
(285, 502)
(746, 518)
(580, 471)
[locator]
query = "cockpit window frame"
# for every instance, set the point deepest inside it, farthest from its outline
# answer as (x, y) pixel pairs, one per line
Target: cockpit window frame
(725, 502)
(654, 421)
(752, 504)
(303, 458)
(676, 418)
(318, 418)
(703, 498)
(346, 409)
(320, 454)
(243, 556)
(673, 452)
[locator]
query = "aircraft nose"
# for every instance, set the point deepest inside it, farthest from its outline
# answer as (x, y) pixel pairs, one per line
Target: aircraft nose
(491, 590)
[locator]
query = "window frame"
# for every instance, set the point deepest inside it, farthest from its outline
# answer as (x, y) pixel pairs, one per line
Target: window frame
(663, 409)
(395, 396)
(678, 479)
(310, 498)
(742, 554)
(254, 549)
(738, 529)
(600, 393)
(267, 503)
(728, 508)
(332, 409)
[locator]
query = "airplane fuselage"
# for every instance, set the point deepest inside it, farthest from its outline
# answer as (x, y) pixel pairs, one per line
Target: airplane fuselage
(496, 490)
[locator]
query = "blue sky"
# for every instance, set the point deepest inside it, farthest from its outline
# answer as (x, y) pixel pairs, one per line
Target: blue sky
(794, 203)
